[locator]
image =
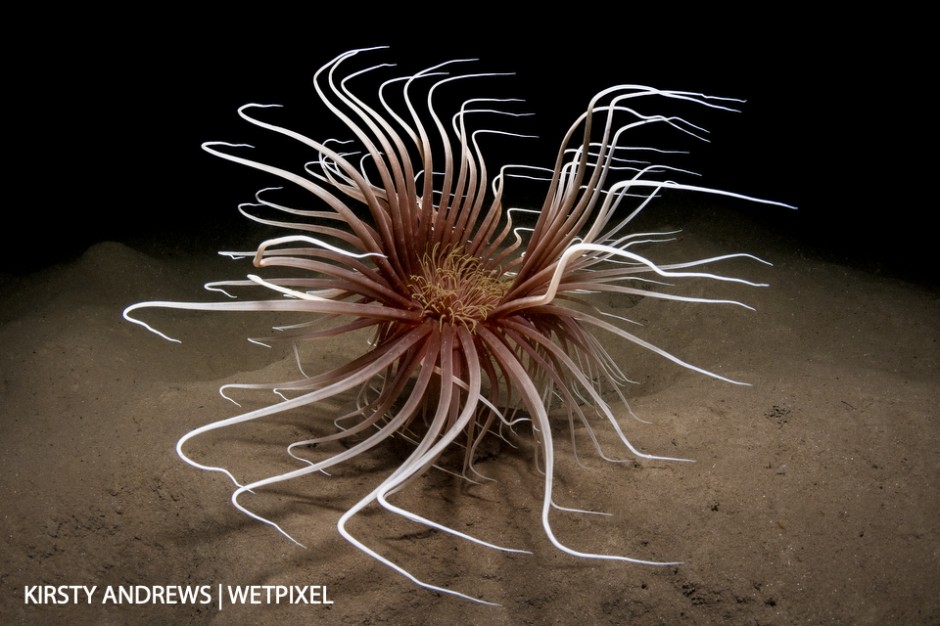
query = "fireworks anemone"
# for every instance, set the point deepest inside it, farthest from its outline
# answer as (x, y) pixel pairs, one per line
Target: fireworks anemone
(479, 322)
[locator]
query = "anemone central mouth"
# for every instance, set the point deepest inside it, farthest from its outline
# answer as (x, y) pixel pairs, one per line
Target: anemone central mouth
(456, 288)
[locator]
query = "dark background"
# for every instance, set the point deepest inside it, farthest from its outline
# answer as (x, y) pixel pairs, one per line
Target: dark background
(107, 121)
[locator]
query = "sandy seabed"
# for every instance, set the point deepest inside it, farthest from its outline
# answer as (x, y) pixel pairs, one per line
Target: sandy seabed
(814, 499)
